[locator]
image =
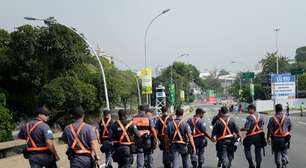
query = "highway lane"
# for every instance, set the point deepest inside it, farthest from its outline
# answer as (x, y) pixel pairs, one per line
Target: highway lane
(296, 153)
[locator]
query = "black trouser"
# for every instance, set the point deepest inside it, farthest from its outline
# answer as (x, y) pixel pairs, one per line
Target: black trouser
(226, 152)
(248, 143)
(123, 155)
(280, 151)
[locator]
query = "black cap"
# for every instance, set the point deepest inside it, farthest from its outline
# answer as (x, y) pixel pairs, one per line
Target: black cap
(164, 109)
(278, 108)
(77, 112)
(106, 112)
(224, 110)
(252, 106)
(42, 110)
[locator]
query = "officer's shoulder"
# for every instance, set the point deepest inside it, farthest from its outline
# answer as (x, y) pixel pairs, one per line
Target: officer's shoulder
(44, 126)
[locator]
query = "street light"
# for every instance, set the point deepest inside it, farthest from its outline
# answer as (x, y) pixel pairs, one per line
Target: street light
(137, 82)
(145, 39)
(52, 20)
(276, 48)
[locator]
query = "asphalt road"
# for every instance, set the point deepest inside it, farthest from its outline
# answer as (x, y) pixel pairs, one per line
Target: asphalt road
(296, 153)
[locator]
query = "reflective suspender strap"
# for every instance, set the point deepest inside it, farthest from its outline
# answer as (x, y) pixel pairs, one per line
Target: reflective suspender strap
(177, 133)
(30, 139)
(77, 141)
(280, 132)
(105, 130)
(124, 134)
(226, 132)
(256, 130)
(196, 132)
(164, 124)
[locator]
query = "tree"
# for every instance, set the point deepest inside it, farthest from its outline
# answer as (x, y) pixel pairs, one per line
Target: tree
(64, 93)
(269, 63)
(6, 122)
(301, 54)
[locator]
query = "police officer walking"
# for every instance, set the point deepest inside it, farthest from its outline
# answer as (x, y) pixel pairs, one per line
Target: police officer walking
(102, 130)
(82, 141)
(198, 128)
(145, 145)
(40, 148)
(123, 134)
(254, 136)
(278, 135)
(226, 132)
(161, 125)
(179, 135)
(213, 122)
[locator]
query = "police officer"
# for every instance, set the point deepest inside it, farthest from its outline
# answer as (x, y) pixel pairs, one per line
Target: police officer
(102, 130)
(40, 147)
(145, 145)
(278, 134)
(82, 141)
(226, 131)
(123, 134)
(161, 125)
(254, 136)
(198, 128)
(179, 135)
(213, 122)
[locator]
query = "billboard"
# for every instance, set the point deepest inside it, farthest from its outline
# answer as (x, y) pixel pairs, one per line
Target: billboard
(283, 86)
(146, 78)
(212, 97)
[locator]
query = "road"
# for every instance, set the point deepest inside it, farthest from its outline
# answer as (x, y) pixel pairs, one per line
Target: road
(296, 153)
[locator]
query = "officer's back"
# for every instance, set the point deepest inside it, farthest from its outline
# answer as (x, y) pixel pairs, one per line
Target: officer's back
(40, 149)
(81, 140)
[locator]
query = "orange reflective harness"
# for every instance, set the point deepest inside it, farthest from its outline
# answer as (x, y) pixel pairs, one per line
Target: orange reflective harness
(77, 141)
(30, 139)
(124, 135)
(105, 133)
(196, 132)
(256, 129)
(280, 131)
(164, 125)
(143, 124)
(178, 133)
(227, 133)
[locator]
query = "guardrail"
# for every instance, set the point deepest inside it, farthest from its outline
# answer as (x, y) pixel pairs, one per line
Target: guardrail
(14, 147)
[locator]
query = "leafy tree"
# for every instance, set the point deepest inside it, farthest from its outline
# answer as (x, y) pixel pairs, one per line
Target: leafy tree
(6, 122)
(301, 54)
(269, 63)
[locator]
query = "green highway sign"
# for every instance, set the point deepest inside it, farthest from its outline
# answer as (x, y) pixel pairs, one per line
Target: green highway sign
(248, 75)
(171, 94)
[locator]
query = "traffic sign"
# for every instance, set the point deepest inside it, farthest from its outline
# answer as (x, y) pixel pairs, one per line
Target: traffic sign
(252, 90)
(172, 94)
(248, 75)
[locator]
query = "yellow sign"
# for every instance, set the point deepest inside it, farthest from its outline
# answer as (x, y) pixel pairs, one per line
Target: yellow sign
(146, 78)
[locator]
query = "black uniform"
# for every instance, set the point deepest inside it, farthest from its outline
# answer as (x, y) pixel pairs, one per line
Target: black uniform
(279, 127)
(254, 136)
(161, 125)
(198, 127)
(123, 137)
(225, 139)
(103, 127)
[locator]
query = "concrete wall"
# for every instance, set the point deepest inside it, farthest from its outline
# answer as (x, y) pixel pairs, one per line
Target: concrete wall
(267, 105)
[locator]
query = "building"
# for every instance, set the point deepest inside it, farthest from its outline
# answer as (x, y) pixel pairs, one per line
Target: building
(103, 54)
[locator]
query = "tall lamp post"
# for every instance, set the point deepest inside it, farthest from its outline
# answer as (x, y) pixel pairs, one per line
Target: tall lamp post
(171, 67)
(235, 62)
(48, 21)
(276, 49)
(145, 40)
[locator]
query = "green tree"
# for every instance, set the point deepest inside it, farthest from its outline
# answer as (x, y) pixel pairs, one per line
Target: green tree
(6, 122)
(269, 63)
(301, 54)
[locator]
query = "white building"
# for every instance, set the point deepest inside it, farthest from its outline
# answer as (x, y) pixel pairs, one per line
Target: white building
(102, 53)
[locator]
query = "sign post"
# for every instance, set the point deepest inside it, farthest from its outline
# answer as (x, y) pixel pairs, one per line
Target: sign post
(146, 76)
(283, 86)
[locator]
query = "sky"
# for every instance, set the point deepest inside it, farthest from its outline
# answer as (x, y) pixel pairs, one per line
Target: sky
(213, 32)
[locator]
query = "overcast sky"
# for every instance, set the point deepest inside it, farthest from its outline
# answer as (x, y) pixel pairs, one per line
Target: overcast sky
(213, 32)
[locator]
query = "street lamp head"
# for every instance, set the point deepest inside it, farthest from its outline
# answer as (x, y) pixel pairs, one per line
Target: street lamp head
(165, 11)
(29, 18)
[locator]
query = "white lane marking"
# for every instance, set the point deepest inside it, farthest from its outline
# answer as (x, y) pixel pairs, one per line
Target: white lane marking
(102, 165)
(303, 123)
